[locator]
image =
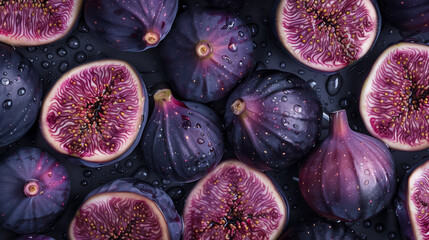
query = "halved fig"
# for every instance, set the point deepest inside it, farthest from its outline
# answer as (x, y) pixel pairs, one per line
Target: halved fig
(413, 201)
(96, 112)
(131, 25)
(394, 99)
(327, 35)
(37, 22)
(235, 201)
(126, 208)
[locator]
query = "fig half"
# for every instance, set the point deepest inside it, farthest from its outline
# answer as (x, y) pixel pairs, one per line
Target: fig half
(126, 208)
(327, 35)
(37, 22)
(394, 102)
(235, 201)
(96, 112)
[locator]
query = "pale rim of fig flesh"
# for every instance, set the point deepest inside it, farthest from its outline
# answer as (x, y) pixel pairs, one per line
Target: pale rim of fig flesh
(394, 99)
(313, 33)
(117, 204)
(418, 200)
(40, 22)
(93, 123)
(257, 179)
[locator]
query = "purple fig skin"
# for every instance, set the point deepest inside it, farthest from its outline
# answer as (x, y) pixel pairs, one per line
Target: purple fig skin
(412, 194)
(349, 176)
(408, 15)
(132, 26)
(35, 237)
(232, 4)
(35, 190)
(207, 52)
(181, 141)
(273, 119)
(20, 95)
(161, 199)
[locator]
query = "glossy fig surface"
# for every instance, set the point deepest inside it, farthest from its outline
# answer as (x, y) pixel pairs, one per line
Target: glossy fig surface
(34, 190)
(34, 237)
(181, 142)
(273, 119)
(207, 53)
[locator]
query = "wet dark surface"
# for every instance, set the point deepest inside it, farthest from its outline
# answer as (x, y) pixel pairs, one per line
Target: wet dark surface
(337, 91)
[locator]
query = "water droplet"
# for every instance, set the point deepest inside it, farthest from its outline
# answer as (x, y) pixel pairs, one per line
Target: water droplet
(44, 49)
(295, 126)
(312, 83)
(87, 173)
(240, 63)
(89, 47)
(391, 235)
(254, 29)
(229, 24)
(186, 124)
(367, 223)
(334, 84)
(232, 46)
(45, 64)
(285, 187)
(5, 81)
(285, 122)
(301, 72)
(379, 227)
(21, 91)
(345, 102)
(263, 44)
(269, 53)
(297, 108)
(367, 172)
(284, 98)
(80, 57)
(226, 58)
(64, 66)
(282, 65)
(142, 173)
(31, 49)
(84, 183)
(129, 164)
(62, 52)
(200, 141)
(240, 34)
(366, 182)
(73, 43)
(7, 104)
(112, 172)
(34, 99)
(405, 166)
(176, 193)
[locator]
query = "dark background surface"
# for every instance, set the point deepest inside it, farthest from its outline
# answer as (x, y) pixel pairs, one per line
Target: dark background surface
(81, 46)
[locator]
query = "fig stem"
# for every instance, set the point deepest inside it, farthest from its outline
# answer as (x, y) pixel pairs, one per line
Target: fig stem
(32, 188)
(203, 49)
(238, 106)
(163, 95)
(151, 38)
(339, 125)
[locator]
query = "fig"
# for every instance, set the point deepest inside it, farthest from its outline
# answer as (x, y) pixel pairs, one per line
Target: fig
(96, 112)
(394, 98)
(408, 15)
(412, 203)
(207, 52)
(327, 35)
(181, 142)
(21, 95)
(349, 176)
(232, 4)
(319, 229)
(35, 190)
(132, 26)
(34, 237)
(126, 208)
(273, 119)
(235, 201)
(37, 22)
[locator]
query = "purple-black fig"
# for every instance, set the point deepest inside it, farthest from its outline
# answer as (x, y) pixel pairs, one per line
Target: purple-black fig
(35, 189)
(408, 15)
(349, 176)
(37, 22)
(207, 52)
(131, 25)
(273, 119)
(96, 112)
(235, 201)
(20, 95)
(327, 35)
(126, 208)
(34, 237)
(413, 201)
(180, 141)
(394, 99)
(232, 4)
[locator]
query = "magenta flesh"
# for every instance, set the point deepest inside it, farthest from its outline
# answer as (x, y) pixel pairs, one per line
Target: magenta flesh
(234, 202)
(34, 190)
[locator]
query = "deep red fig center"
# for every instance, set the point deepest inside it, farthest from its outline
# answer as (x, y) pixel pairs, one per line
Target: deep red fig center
(32, 188)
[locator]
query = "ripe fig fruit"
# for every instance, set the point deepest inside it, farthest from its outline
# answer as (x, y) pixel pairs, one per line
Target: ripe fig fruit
(37, 22)
(126, 208)
(96, 112)
(273, 119)
(235, 201)
(319, 229)
(35, 189)
(327, 35)
(20, 95)
(232, 4)
(413, 201)
(394, 98)
(34, 237)
(207, 52)
(131, 25)
(349, 176)
(408, 15)
(181, 142)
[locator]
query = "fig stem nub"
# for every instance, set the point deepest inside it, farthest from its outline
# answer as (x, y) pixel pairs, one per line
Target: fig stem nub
(339, 123)
(32, 188)
(204, 49)
(151, 38)
(238, 106)
(163, 95)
